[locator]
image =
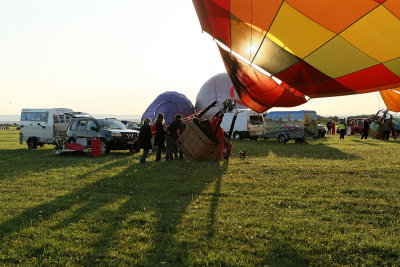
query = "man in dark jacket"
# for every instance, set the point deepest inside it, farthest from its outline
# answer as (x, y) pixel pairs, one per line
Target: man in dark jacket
(329, 127)
(145, 139)
(365, 130)
(159, 138)
(173, 132)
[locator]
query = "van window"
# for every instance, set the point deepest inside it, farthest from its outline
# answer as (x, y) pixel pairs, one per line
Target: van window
(256, 120)
(55, 117)
(67, 118)
(62, 119)
(34, 116)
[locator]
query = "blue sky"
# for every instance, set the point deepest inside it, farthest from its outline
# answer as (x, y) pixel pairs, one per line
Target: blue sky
(114, 57)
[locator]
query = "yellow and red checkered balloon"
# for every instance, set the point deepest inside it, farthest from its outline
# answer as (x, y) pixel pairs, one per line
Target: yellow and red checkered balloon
(316, 48)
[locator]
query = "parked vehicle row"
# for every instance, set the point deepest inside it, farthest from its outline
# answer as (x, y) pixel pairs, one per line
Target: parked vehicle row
(43, 126)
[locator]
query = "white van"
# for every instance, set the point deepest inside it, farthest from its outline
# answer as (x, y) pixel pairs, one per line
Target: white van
(41, 126)
(248, 124)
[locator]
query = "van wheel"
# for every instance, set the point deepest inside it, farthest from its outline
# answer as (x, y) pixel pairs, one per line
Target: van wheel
(236, 136)
(281, 139)
(32, 144)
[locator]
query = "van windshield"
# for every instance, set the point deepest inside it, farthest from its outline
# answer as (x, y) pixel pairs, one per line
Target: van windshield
(111, 124)
(256, 120)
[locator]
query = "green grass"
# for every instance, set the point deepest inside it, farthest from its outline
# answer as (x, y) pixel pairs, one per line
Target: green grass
(328, 202)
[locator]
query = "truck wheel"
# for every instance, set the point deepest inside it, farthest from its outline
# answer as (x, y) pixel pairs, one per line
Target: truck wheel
(236, 136)
(32, 143)
(281, 139)
(104, 147)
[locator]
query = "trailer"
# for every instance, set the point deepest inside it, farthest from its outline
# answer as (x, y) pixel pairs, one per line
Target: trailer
(286, 125)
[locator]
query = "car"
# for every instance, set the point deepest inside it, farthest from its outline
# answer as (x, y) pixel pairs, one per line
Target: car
(132, 126)
(321, 130)
(112, 133)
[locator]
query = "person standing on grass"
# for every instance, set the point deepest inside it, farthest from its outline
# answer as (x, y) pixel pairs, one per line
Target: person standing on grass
(333, 127)
(223, 142)
(173, 132)
(145, 139)
(365, 130)
(159, 138)
(348, 124)
(342, 128)
(392, 128)
(385, 130)
(329, 127)
(355, 127)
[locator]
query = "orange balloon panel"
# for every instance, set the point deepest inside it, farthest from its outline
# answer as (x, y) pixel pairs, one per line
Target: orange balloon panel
(391, 99)
(317, 48)
(257, 90)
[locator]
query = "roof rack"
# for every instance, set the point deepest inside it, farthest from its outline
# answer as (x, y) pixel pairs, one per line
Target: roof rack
(79, 115)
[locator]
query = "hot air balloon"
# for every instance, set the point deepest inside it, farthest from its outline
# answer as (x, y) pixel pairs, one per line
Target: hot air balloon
(217, 88)
(280, 53)
(169, 103)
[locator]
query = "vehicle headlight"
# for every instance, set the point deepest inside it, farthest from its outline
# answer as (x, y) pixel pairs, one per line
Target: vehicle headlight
(116, 134)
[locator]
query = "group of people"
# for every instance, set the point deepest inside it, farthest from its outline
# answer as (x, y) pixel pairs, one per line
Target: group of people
(166, 137)
(345, 127)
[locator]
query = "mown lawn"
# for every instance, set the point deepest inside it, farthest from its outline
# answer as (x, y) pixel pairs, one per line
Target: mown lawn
(328, 202)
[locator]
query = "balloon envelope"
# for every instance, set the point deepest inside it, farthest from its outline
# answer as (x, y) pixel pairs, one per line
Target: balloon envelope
(218, 87)
(316, 48)
(169, 103)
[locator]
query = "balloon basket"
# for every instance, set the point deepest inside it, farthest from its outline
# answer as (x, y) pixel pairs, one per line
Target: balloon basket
(196, 141)
(375, 131)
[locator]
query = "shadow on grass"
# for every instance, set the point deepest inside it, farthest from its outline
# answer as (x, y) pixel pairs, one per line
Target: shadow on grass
(393, 141)
(151, 187)
(214, 205)
(365, 142)
(295, 150)
(285, 254)
(18, 162)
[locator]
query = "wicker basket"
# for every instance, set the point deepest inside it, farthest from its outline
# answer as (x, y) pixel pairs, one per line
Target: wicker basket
(196, 144)
(375, 131)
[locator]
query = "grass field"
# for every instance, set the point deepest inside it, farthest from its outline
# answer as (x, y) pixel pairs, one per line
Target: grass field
(328, 202)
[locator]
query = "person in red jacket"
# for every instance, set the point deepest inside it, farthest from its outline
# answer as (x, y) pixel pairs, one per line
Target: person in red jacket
(223, 142)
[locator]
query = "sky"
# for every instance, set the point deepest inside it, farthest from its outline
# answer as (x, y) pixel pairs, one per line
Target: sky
(115, 57)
